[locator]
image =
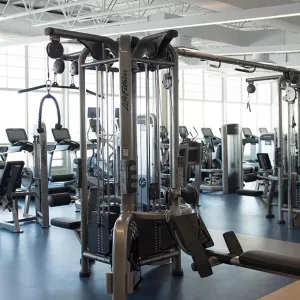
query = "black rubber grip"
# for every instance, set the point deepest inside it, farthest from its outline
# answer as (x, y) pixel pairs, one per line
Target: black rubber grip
(59, 199)
(172, 34)
(233, 243)
(61, 177)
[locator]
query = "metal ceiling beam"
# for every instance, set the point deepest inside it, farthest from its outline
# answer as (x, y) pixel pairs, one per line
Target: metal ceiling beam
(105, 14)
(42, 10)
(281, 11)
(221, 6)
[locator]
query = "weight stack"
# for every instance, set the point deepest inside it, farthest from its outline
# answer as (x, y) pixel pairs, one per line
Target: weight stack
(154, 237)
(100, 232)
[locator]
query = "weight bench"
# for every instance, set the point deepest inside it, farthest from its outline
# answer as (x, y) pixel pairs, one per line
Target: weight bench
(9, 182)
(68, 223)
(265, 198)
(195, 239)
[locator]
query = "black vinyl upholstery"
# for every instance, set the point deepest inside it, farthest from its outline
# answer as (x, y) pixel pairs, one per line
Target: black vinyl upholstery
(66, 223)
(270, 261)
(251, 193)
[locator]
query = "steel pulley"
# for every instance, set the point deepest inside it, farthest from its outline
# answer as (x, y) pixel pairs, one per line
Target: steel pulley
(291, 94)
(55, 49)
(27, 177)
(58, 66)
(251, 88)
(74, 68)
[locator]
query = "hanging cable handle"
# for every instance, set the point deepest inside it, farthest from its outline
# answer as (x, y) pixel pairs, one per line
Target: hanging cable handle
(58, 124)
(248, 105)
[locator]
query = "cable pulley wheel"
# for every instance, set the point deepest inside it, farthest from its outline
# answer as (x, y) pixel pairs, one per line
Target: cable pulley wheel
(59, 66)
(251, 88)
(74, 68)
(27, 178)
(55, 49)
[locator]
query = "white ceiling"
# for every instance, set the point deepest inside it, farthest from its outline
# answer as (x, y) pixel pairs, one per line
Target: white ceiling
(229, 27)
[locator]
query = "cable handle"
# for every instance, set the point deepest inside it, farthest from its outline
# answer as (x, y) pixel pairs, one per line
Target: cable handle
(58, 125)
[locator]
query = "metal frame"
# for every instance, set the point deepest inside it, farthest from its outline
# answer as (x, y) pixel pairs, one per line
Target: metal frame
(285, 78)
(120, 282)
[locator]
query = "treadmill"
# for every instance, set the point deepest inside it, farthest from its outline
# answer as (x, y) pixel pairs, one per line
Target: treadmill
(63, 143)
(250, 138)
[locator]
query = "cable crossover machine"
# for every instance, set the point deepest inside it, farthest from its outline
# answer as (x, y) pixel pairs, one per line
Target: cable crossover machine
(128, 238)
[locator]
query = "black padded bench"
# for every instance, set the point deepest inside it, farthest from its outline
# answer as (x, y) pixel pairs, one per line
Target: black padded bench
(270, 261)
(66, 223)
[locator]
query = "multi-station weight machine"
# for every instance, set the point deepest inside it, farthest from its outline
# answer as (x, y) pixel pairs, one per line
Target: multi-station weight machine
(130, 238)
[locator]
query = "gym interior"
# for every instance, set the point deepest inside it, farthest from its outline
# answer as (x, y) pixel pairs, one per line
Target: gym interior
(150, 149)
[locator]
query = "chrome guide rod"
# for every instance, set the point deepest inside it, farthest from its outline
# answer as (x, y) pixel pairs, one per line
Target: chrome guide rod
(112, 78)
(107, 139)
(98, 135)
(83, 154)
(148, 151)
(103, 142)
(158, 118)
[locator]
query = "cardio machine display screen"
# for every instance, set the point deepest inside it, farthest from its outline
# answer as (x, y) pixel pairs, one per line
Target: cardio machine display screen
(207, 132)
(247, 132)
(61, 135)
(92, 112)
(16, 134)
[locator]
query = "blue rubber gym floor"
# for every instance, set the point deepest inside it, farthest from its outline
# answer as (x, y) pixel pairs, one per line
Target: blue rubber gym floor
(44, 263)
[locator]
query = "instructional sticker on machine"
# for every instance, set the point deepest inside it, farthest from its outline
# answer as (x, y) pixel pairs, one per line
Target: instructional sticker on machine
(125, 151)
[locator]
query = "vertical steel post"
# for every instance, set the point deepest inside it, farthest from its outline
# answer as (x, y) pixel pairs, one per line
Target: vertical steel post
(280, 145)
(84, 272)
(289, 163)
(128, 171)
(134, 126)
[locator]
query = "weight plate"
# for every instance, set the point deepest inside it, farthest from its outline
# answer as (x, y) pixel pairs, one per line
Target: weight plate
(55, 50)
(27, 177)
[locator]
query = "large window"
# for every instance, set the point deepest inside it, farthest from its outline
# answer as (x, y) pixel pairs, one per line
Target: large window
(201, 100)
(210, 100)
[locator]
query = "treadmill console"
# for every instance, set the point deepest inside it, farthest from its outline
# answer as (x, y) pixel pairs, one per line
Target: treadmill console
(19, 140)
(263, 130)
(211, 140)
(249, 138)
(63, 139)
